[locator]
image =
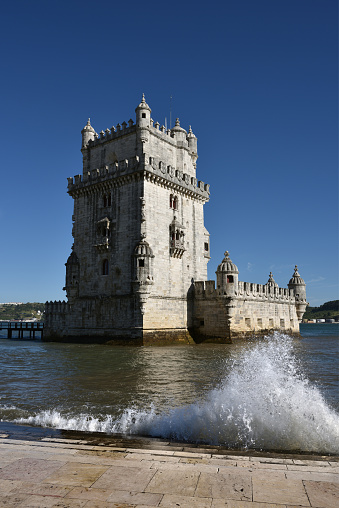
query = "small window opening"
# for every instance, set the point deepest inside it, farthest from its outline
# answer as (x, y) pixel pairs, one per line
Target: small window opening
(105, 200)
(141, 262)
(206, 246)
(105, 267)
(230, 279)
(143, 115)
(109, 200)
(202, 322)
(173, 202)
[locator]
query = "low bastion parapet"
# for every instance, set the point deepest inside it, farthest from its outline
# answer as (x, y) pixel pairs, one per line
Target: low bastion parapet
(236, 309)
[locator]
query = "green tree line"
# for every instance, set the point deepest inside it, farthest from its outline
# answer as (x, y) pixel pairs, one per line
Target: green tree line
(327, 310)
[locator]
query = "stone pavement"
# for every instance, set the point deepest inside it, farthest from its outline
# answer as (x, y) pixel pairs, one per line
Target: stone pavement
(64, 473)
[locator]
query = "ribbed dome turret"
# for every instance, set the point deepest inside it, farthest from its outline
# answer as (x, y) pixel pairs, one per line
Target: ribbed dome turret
(143, 249)
(271, 282)
(177, 127)
(296, 279)
(226, 265)
(143, 105)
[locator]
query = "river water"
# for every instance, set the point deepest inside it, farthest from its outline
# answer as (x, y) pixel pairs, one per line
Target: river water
(277, 393)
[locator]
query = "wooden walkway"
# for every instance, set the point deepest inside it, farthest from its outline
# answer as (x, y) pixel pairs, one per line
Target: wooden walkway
(22, 329)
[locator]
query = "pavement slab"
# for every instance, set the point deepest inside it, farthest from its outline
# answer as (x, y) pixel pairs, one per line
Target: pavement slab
(29, 469)
(83, 475)
(289, 492)
(322, 495)
(170, 481)
(174, 501)
(132, 479)
(225, 485)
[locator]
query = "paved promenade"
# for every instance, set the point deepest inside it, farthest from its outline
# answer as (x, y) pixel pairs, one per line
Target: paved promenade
(62, 473)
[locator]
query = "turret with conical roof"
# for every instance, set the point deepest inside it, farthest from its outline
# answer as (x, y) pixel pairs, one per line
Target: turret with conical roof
(227, 277)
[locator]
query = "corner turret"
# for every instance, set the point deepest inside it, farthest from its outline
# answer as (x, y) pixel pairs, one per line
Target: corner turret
(88, 133)
(298, 285)
(192, 145)
(143, 272)
(72, 277)
(227, 277)
(143, 114)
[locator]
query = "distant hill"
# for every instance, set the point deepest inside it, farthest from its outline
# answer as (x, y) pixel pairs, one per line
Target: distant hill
(22, 311)
(327, 310)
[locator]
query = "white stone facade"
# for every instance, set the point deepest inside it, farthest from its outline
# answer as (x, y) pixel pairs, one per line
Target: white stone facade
(140, 243)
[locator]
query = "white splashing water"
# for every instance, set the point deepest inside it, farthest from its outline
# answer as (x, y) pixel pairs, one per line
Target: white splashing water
(264, 403)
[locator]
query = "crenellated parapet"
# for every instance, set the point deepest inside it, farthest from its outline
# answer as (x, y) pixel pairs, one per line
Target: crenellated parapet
(110, 134)
(56, 307)
(245, 290)
(152, 168)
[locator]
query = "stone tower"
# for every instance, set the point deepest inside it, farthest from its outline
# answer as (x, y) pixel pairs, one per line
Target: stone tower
(139, 235)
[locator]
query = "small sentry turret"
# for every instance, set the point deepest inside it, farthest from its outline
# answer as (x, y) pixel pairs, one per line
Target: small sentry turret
(143, 114)
(227, 277)
(143, 272)
(88, 133)
(192, 145)
(72, 276)
(271, 282)
(178, 132)
(298, 285)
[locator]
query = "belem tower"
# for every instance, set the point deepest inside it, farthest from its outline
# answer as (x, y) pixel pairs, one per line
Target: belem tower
(137, 272)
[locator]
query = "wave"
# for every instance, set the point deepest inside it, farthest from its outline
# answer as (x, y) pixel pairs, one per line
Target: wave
(265, 402)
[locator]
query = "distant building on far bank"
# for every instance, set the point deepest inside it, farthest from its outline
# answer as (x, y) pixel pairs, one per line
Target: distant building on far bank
(137, 272)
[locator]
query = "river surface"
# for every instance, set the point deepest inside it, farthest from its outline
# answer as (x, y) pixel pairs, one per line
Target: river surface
(277, 393)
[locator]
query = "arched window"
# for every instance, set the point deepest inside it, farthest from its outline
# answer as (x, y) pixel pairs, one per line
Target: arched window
(173, 202)
(105, 267)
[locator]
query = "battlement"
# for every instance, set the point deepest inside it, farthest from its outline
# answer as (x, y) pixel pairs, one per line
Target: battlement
(56, 307)
(247, 290)
(112, 133)
(176, 136)
(153, 168)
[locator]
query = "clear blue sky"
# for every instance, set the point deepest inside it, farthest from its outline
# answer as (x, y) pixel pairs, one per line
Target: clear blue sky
(257, 80)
